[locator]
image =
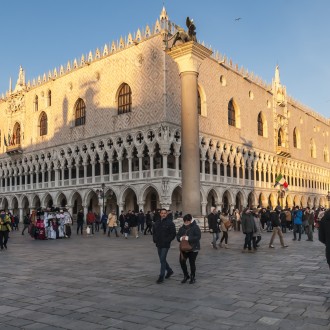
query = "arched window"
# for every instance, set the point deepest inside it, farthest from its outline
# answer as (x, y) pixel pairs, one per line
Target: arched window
(280, 137)
(231, 114)
(124, 99)
(49, 98)
(325, 154)
(36, 103)
(16, 138)
(295, 145)
(43, 124)
(313, 148)
(260, 125)
(199, 103)
(80, 112)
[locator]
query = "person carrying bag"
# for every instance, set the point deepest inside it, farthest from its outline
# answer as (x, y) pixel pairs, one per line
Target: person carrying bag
(189, 236)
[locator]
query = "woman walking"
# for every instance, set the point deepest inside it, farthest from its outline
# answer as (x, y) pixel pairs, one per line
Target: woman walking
(5, 228)
(190, 232)
(225, 224)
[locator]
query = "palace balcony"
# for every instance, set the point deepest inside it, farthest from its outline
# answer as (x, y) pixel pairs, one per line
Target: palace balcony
(14, 149)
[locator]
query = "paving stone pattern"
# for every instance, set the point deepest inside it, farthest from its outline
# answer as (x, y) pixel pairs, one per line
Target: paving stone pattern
(109, 283)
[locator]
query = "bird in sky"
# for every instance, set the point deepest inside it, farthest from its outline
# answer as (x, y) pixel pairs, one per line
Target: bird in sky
(238, 18)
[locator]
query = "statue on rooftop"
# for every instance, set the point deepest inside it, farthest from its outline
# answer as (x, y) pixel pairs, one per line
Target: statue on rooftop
(182, 35)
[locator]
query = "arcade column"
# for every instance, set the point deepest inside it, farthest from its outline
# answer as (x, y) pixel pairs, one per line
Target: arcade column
(189, 56)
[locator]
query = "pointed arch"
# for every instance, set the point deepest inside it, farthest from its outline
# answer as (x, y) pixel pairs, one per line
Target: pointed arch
(80, 112)
(262, 125)
(312, 146)
(233, 114)
(296, 138)
(201, 101)
(43, 124)
(124, 99)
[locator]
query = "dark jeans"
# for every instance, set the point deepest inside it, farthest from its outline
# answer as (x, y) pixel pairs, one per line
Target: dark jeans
(297, 229)
(97, 226)
(110, 229)
(283, 227)
(4, 238)
(104, 227)
(26, 226)
(248, 239)
(192, 262)
(164, 266)
(224, 237)
(256, 240)
(148, 229)
(80, 226)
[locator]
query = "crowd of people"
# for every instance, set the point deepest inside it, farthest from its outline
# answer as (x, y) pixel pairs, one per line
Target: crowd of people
(251, 221)
(254, 221)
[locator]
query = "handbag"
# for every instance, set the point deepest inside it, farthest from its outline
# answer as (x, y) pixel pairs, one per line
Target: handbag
(184, 245)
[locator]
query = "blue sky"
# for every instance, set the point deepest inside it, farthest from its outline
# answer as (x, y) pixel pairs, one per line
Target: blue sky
(41, 35)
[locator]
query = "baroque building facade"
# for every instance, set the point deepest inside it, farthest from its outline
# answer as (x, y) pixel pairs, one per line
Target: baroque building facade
(105, 130)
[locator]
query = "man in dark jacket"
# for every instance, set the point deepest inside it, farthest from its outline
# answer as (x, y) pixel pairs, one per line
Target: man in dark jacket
(248, 227)
(163, 234)
(276, 224)
(80, 221)
(212, 220)
(324, 234)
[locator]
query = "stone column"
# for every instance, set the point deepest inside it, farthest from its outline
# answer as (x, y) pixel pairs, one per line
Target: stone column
(177, 165)
(203, 159)
(129, 158)
(151, 155)
(70, 174)
(101, 170)
(43, 178)
(189, 56)
(165, 164)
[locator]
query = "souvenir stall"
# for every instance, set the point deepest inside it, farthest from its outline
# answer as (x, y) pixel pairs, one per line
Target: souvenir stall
(50, 224)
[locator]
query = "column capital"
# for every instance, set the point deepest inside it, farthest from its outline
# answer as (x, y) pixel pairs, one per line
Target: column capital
(189, 56)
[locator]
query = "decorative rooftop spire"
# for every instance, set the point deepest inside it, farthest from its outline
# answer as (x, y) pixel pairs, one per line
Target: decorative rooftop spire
(163, 15)
(277, 75)
(21, 80)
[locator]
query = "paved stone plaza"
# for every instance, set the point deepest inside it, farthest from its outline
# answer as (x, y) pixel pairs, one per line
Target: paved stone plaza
(101, 283)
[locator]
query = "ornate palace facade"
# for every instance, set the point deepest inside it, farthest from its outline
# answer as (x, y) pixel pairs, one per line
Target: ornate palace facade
(113, 117)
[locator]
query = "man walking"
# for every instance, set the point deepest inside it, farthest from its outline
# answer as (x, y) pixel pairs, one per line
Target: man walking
(163, 234)
(276, 224)
(297, 222)
(80, 221)
(212, 219)
(324, 234)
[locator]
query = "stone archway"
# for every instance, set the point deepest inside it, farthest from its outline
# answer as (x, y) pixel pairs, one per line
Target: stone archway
(61, 200)
(239, 200)
(25, 205)
(289, 202)
(130, 200)
(92, 202)
(14, 206)
(212, 200)
(272, 201)
(110, 202)
(252, 202)
(296, 200)
(263, 202)
(76, 202)
(226, 201)
(151, 200)
(48, 201)
(36, 203)
(5, 204)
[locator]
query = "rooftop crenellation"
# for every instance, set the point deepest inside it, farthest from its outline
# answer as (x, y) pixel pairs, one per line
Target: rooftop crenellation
(164, 25)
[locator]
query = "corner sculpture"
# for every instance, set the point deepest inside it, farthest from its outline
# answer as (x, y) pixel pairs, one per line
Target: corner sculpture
(182, 35)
